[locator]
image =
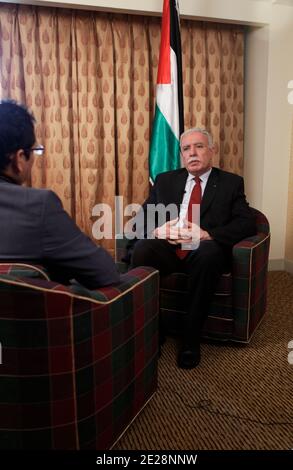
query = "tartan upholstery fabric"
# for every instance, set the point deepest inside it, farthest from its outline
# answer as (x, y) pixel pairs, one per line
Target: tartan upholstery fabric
(77, 365)
(24, 270)
(239, 303)
(250, 268)
(178, 283)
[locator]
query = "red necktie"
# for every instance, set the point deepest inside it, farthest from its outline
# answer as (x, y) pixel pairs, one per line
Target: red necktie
(195, 198)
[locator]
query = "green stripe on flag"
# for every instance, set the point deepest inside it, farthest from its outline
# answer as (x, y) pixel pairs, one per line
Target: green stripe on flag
(164, 148)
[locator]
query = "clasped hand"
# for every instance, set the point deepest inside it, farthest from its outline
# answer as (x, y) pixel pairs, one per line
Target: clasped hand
(176, 235)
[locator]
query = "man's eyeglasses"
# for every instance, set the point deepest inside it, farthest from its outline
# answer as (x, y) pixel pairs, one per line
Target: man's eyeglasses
(38, 150)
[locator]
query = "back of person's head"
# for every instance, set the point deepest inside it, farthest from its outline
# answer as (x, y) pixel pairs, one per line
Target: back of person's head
(16, 131)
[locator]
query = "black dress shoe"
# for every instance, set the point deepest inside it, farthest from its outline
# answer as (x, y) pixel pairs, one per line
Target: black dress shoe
(188, 358)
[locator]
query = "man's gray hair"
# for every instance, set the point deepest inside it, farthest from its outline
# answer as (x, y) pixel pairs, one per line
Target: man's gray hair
(201, 131)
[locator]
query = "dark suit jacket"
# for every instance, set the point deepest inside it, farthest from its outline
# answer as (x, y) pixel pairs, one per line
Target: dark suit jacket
(36, 229)
(224, 212)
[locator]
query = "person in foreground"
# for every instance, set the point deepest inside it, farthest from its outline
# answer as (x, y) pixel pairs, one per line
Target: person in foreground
(200, 247)
(34, 226)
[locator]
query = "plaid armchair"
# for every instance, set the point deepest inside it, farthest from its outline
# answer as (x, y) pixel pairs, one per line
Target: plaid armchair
(77, 365)
(239, 303)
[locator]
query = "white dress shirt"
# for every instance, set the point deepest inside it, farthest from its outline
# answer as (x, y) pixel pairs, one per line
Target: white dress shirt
(190, 183)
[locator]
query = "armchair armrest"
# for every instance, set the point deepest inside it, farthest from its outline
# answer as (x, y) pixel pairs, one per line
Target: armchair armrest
(27, 276)
(128, 281)
(250, 266)
(24, 270)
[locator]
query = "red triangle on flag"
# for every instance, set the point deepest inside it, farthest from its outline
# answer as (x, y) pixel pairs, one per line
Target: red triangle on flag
(164, 69)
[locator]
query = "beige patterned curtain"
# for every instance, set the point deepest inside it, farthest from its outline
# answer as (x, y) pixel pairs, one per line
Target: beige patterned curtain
(213, 65)
(89, 79)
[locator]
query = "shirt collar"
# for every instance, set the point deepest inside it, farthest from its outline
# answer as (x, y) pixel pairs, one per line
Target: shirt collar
(204, 177)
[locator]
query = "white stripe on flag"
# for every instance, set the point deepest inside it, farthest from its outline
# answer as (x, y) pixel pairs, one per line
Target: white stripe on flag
(167, 98)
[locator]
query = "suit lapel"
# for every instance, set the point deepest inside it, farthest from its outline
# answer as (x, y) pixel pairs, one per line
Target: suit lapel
(210, 191)
(180, 186)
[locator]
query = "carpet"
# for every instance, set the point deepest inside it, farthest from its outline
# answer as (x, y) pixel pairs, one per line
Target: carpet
(240, 397)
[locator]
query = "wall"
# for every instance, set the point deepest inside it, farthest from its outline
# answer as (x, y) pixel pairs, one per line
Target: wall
(242, 11)
(268, 123)
(278, 127)
(289, 232)
(256, 83)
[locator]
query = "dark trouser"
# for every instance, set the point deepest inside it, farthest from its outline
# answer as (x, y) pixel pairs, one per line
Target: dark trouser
(204, 266)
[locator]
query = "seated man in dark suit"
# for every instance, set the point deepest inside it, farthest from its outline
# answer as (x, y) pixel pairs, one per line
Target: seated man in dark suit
(224, 218)
(34, 226)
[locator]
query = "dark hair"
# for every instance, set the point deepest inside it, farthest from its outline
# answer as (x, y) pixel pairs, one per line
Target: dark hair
(16, 130)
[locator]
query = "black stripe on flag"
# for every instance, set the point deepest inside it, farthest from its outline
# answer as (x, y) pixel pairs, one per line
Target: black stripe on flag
(175, 42)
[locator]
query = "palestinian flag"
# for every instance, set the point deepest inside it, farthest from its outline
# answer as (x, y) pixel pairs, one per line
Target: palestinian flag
(168, 121)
